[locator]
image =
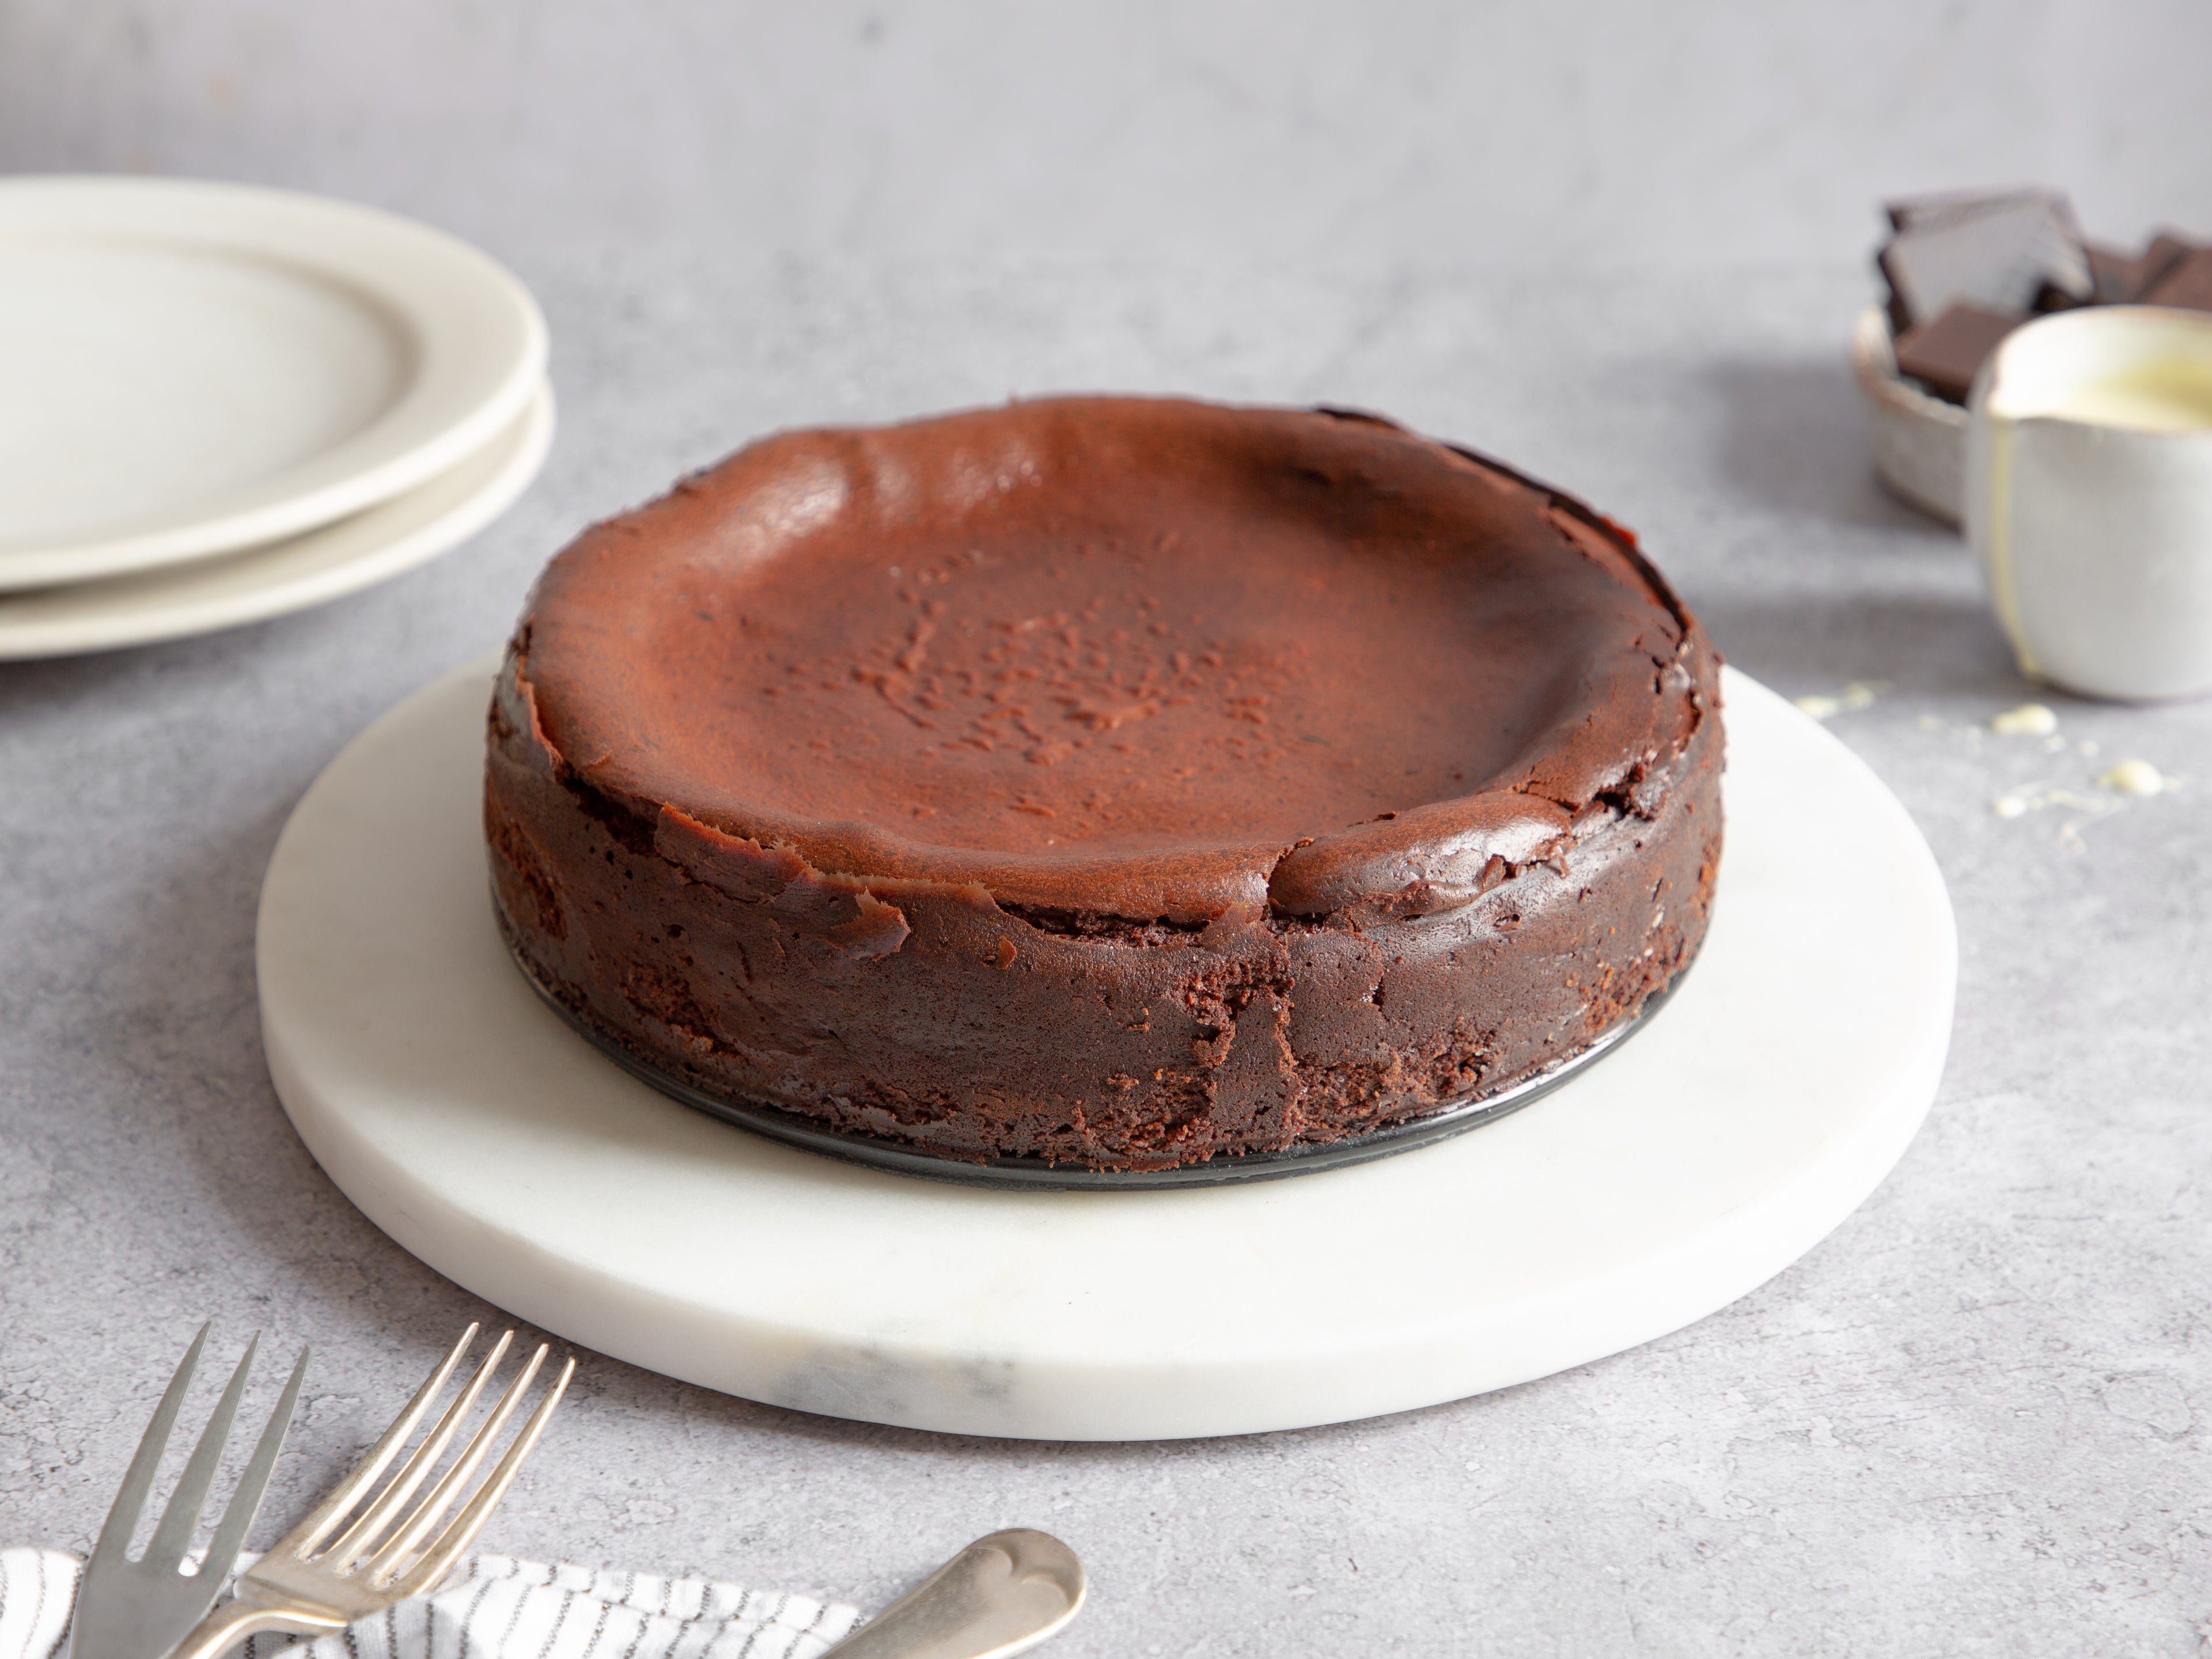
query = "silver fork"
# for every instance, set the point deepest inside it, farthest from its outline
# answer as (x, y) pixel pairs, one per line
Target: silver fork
(312, 1584)
(127, 1607)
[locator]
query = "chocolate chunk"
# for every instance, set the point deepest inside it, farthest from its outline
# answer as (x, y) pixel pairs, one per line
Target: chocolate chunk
(2187, 282)
(2166, 251)
(1909, 211)
(2002, 255)
(2123, 278)
(1946, 354)
(2119, 277)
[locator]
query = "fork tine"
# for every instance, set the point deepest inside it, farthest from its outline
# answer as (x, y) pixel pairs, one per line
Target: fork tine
(246, 1500)
(181, 1518)
(359, 1538)
(450, 1486)
(438, 1560)
(323, 1518)
(138, 1480)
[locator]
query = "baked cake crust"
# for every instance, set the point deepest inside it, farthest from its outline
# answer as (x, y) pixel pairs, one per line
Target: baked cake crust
(1119, 781)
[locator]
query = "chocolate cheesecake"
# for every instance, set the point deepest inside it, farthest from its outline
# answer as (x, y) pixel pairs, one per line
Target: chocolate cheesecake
(1121, 782)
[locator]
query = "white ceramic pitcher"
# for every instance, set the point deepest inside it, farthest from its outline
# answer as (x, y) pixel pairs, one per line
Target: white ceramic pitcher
(2089, 498)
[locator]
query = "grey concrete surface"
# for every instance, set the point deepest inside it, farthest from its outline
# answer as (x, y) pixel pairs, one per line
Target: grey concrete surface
(1965, 1424)
(1393, 132)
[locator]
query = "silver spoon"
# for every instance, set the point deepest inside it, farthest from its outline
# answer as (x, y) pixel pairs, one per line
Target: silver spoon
(1002, 1595)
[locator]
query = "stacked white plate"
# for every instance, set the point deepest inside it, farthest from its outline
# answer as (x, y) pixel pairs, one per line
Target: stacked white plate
(221, 403)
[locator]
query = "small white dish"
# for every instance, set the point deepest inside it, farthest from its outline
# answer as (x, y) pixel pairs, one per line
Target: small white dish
(2089, 499)
(1739, 1125)
(188, 369)
(1919, 441)
(308, 570)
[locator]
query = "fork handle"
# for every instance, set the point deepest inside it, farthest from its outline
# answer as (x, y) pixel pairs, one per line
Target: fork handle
(234, 1621)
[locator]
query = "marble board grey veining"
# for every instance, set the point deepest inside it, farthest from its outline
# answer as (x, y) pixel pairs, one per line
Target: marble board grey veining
(1966, 1424)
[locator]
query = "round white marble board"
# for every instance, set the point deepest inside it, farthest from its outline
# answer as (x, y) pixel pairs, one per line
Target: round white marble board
(303, 571)
(1743, 1124)
(196, 367)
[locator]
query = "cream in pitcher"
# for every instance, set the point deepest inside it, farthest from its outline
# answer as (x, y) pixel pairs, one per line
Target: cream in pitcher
(2089, 499)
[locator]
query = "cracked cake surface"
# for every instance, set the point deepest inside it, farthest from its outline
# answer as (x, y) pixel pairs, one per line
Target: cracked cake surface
(1120, 781)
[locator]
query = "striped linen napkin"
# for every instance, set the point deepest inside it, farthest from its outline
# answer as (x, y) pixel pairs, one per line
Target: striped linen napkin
(496, 1608)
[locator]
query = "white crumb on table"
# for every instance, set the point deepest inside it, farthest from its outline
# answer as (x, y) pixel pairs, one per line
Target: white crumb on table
(1859, 694)
(2029, 719)
(2134, 777)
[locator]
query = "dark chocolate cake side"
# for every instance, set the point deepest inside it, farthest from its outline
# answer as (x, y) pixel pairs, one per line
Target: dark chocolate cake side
(1121, 782)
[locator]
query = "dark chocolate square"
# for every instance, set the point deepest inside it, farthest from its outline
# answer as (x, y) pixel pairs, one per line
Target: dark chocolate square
(1908, 211)
(2001, 257)
(2118, 275)
(2186, 282)
(1946, 354)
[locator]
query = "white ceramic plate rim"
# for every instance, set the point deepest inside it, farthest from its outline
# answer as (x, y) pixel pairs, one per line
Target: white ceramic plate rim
(477, 336)
(325, 564)
(1750, 1117)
